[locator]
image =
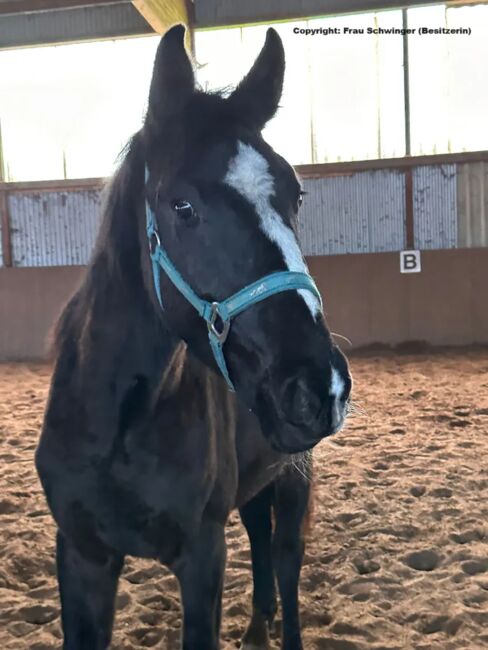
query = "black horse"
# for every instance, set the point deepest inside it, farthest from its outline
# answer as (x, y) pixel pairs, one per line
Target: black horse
(145, 450)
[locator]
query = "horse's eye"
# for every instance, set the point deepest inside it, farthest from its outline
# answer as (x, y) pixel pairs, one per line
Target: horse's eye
(183, 209)
(300, 199)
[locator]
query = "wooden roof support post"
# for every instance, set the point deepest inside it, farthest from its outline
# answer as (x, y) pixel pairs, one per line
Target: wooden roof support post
(2, 161)
(162, 14)
(6, 231)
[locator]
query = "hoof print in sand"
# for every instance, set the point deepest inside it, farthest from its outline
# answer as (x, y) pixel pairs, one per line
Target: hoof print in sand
(364, 567)
(474, 567)
(38, 614)
(423, 560)
(418, 490)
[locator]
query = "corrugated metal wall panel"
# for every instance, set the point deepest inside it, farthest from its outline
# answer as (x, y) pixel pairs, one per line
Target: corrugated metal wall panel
(434, 206)
(54, 228)
(360, 213)
(472, 204)
(1, 244)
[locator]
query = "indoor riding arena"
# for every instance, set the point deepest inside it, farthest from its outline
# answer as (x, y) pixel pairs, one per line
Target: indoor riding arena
(383, 115)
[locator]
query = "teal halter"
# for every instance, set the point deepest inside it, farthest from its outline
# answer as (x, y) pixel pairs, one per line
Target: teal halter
(228, 308)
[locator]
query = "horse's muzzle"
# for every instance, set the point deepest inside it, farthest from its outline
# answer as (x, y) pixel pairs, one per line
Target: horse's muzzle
(308, 416)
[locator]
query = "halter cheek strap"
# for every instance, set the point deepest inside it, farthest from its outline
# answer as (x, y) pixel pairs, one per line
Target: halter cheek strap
(218, 315)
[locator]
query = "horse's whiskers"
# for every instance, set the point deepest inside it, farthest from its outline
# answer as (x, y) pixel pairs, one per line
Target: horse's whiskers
(341, 336)
(302, 463)
(356, 408)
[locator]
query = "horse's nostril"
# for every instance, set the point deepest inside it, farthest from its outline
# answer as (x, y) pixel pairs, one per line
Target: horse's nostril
(300, 403)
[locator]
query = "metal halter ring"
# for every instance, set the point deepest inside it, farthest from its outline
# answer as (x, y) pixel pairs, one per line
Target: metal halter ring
(154, 241)
(222, 335)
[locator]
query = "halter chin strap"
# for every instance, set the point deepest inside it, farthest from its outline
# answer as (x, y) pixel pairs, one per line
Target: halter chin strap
(218, 315)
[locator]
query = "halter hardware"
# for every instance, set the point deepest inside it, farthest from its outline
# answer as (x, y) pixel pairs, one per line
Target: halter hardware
(218, 315)
(214, 314)
(154, 241)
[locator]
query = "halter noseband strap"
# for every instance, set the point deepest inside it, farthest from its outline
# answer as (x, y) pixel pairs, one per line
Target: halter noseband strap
(218, 315)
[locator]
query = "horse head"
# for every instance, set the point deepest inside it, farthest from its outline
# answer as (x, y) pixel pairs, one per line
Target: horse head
(222, 210)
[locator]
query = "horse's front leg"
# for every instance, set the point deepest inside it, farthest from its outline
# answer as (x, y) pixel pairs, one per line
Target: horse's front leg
(292, 498)
(256, 517)
(200, 571)
(87, 586)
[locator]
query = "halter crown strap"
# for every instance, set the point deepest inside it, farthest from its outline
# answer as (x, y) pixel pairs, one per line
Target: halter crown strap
(218, 315)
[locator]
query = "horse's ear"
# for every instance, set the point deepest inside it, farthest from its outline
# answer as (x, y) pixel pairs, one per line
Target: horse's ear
(257, 96)
(173, 81)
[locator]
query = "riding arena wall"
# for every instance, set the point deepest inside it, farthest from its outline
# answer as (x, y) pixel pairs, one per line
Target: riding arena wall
(355, 219)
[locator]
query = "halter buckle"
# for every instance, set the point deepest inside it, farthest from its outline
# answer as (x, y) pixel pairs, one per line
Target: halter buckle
(214, 314)
(154, 241)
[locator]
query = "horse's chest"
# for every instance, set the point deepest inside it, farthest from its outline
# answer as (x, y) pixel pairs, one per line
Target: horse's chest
(146, 515)
(258, 463)
(133, 499)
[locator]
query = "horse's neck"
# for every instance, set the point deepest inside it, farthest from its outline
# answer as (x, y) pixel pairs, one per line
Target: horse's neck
(122, 324)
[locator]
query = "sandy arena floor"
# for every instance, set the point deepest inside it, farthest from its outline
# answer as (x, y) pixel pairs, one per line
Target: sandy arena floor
(399, 554)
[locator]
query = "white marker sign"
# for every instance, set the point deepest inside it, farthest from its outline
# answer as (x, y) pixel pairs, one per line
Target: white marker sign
(410, 262)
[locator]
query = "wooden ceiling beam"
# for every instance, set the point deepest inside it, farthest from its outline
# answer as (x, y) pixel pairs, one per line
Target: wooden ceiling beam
(162, 14)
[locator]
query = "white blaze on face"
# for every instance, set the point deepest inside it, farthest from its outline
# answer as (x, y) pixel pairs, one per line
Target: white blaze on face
(336, 385)
(336, 391)
(249, 175)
